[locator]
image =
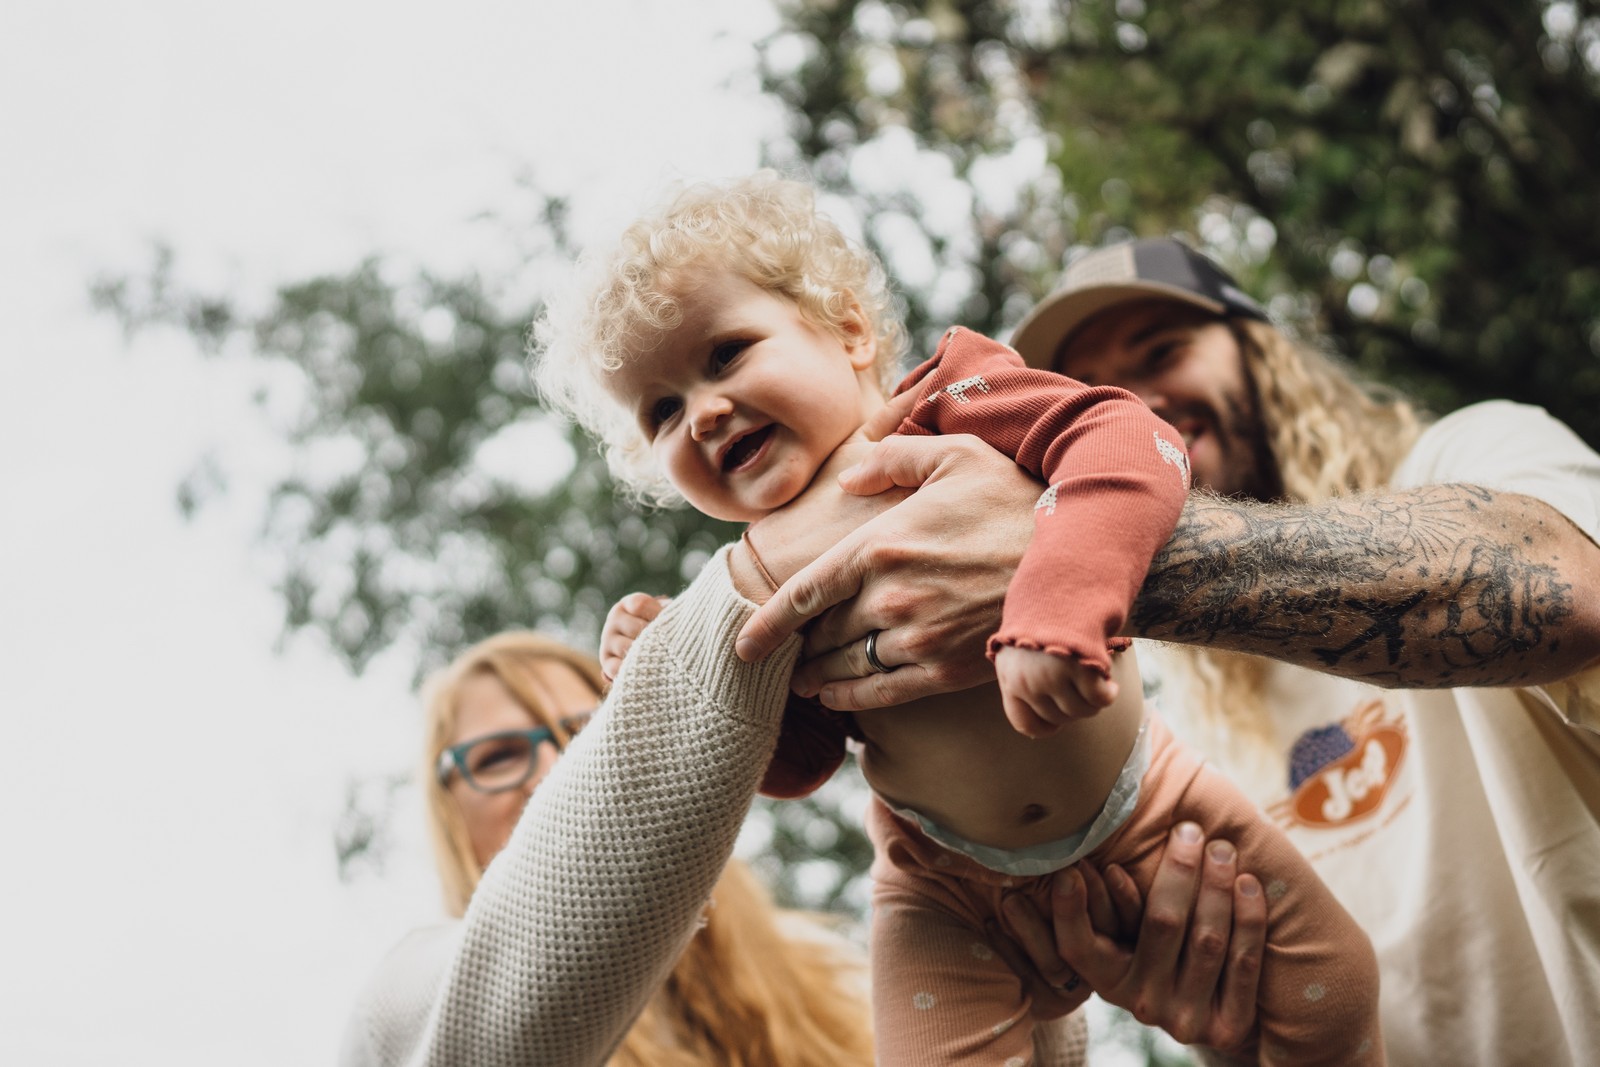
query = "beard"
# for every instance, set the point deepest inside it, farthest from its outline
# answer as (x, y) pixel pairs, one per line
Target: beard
(1248, 468)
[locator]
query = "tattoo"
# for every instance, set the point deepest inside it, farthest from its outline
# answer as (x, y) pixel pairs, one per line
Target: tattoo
(1437, 586)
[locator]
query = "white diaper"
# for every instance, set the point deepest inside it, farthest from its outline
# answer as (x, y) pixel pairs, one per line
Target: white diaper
(1052, 855)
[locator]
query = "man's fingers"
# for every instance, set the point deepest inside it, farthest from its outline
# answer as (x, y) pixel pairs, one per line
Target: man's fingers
(1236, 1009)
(907, 462)
(1170, 902)
(1101, 912)
(1210, 930)
(882, 690)
(1098, 958)
(888, 418)
(842, 664)
(1017, 958)
(1054, 995)
(1035, 938)
(827, 581)
(1126, 899)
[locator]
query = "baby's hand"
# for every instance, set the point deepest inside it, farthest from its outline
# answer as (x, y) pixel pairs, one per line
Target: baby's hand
(1042, 691)
(624, 623)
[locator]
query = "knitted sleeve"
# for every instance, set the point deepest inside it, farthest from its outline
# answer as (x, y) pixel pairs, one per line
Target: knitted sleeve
(584, 914)
(1117, 478)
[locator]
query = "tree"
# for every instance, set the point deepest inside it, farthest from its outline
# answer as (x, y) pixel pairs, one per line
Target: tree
(1416, 180)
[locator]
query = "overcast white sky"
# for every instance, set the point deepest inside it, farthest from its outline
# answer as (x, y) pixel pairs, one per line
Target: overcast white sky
(168, 891)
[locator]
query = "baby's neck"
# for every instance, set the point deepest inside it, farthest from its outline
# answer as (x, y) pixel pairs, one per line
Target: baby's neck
(847, 454)
(791, 536)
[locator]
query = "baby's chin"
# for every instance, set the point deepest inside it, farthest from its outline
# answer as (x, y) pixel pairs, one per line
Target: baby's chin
(734, 507)
(724, 510)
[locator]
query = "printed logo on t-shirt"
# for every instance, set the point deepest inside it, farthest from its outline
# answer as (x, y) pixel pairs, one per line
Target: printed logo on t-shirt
(1340, 773)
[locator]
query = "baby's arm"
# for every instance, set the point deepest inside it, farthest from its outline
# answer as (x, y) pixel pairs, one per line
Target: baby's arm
(1118, 477)
(624, 623)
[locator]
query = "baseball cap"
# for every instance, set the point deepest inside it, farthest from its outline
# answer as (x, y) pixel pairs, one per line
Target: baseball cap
(1133, 270)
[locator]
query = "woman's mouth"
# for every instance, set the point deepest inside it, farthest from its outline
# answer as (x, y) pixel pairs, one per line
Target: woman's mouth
(744, 451)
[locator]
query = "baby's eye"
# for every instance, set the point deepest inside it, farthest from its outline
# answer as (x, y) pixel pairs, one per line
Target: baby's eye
(664, 409)
(727, 352)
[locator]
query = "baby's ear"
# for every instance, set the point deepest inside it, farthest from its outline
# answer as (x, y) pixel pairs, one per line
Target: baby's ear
(859, 332)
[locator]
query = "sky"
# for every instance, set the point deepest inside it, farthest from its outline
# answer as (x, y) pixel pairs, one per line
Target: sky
(174, 769)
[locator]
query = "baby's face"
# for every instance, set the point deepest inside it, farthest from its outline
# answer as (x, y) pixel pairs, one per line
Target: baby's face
(744, 401)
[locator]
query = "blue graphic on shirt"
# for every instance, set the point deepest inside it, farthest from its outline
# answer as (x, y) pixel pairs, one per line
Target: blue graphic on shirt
(1315, 750)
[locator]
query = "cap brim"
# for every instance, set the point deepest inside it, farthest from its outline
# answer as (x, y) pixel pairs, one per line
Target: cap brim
(1038, 337)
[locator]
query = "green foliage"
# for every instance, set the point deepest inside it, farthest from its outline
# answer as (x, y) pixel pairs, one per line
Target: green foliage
(1416, 180)
(392, 530)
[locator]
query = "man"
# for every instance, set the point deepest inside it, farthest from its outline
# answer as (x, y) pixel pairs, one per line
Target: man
(1427, 728)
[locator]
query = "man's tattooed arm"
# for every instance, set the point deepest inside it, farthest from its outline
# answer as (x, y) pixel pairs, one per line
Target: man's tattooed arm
(1438, 586)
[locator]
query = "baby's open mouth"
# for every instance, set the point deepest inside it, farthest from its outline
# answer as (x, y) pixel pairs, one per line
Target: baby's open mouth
(744, 448)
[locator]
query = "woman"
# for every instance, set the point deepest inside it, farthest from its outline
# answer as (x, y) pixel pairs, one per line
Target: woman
(753, 986)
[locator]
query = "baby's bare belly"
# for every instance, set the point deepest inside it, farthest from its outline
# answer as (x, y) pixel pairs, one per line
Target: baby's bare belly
(956, 760)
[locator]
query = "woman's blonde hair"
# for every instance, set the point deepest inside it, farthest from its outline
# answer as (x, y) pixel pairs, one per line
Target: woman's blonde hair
(1328, 433)
(743, 994)
(764, 228)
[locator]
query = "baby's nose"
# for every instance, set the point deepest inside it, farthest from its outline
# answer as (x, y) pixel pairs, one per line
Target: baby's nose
(708, 415)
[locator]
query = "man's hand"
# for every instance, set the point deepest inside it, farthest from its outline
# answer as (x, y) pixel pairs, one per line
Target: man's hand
(1195, 966)
(930, 574)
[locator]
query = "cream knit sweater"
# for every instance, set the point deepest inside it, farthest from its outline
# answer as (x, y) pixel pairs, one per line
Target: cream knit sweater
(583, 915)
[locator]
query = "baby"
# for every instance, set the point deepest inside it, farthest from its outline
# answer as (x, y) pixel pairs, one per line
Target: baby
(721, 355)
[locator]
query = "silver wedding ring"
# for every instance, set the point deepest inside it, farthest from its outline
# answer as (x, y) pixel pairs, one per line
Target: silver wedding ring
(872, 654)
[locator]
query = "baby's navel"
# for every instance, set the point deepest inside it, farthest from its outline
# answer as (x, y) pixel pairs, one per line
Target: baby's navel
(1034, 813)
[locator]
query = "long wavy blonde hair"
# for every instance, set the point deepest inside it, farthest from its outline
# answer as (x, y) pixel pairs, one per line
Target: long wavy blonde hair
(1329, 433)
(744, 993)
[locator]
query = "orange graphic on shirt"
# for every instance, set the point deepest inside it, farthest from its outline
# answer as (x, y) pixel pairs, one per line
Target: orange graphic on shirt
(1349, 782)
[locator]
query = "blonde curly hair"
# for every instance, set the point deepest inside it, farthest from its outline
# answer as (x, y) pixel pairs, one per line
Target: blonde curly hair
(765, 228)
(1328, 433)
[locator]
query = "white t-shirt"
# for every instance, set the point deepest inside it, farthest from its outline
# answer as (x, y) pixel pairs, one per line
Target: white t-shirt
(1460, 827)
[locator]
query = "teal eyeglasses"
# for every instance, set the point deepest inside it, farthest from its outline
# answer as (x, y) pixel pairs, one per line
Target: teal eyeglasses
(503, 760)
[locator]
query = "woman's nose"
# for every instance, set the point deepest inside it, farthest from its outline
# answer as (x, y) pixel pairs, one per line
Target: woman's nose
(707, 414)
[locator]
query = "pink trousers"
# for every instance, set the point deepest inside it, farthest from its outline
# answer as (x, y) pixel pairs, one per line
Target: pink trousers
(942, 995)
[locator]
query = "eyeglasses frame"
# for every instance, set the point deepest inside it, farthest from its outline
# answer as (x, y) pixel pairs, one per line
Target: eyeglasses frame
(454, 757)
